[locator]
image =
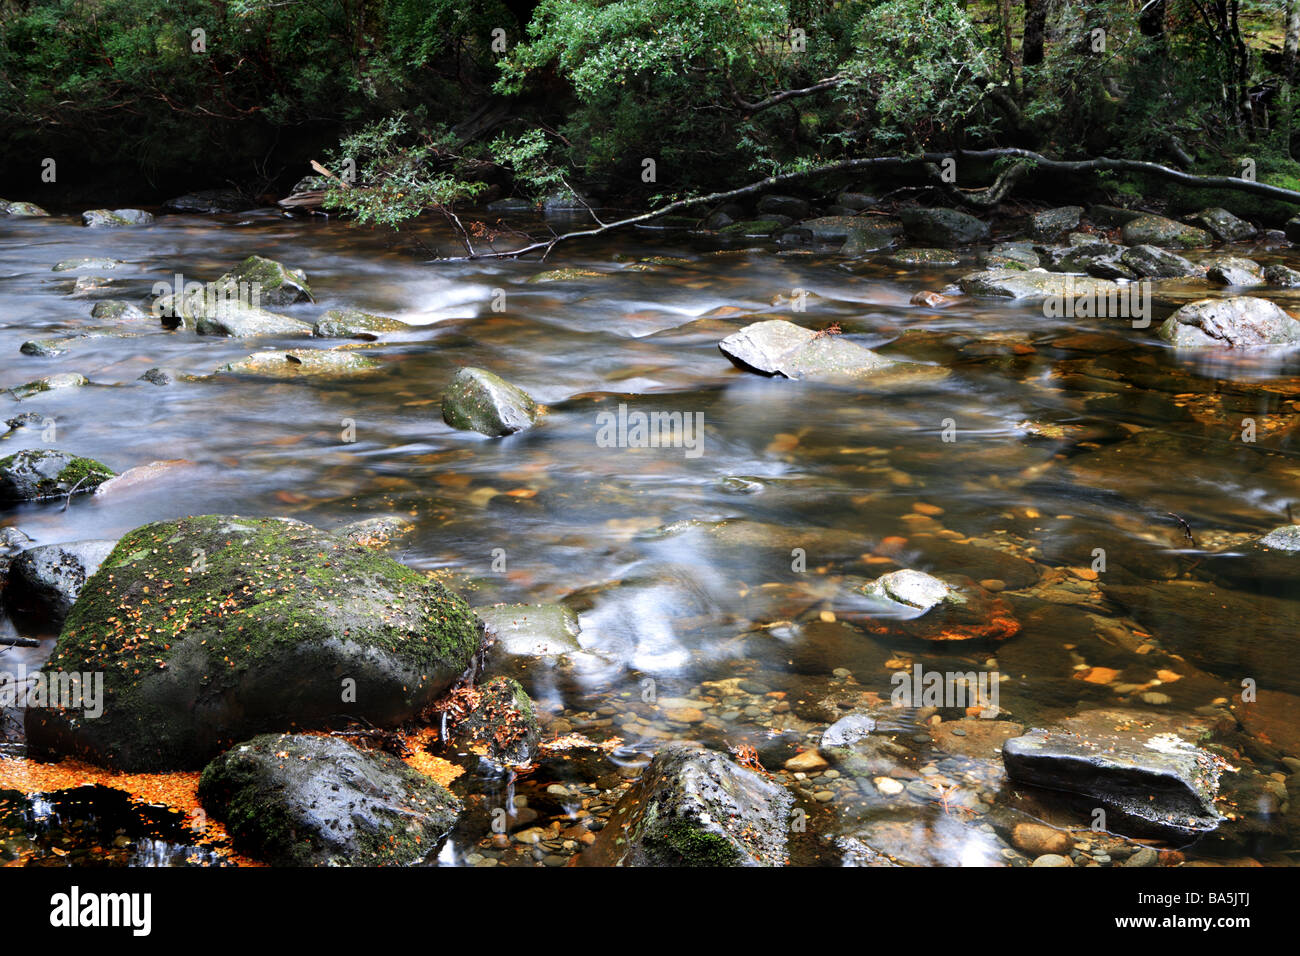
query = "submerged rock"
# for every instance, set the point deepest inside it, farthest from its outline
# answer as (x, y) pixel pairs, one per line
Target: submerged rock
(44, 581)
(116, 217)
(1240, 322)
(296, 800)
(942, 227)
(88, 264)
(695, 807)
(532, 630)
(212, 628)
(118, 309)
(1152, 782)
(1155, 230)
(46, 473)
(477, 400)
(296, 363)
(49, 384)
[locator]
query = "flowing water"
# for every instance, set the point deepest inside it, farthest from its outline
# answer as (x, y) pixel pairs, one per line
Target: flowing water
(720, 576)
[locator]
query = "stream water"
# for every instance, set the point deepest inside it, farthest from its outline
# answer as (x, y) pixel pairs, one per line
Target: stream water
(718, 576)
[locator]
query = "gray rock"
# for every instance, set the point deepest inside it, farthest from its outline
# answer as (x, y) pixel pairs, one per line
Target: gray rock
(915, 589)
(1240, 322)
(922, 258)
(792, 206)
(88, 264)
(297, 800)
(1231, 270)
(477, 400)
(210, 201)
(1282, 276)
(1033, 284)
(695, 807)
(1152, 262)
(116, 217)
(49, 383)
(297, 363)
(1223, 225)
(1154, 782)
(355, 324)
(1155, 230)
(942, 227)
(118, 309)
(44, 581)
(1009, 255)
(158, 376)
(1052, 223)
(241, 321)
(848, 730)
(855, 201)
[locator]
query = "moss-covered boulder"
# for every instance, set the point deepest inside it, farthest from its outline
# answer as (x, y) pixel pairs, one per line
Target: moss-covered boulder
(1158, 231)
(476, 400)
(296, 800)
(695, 807)
(21, 210)
(354, 324)
(47, 473)
(118, 310)
(276, 283)
(500, 725)
(214, 628)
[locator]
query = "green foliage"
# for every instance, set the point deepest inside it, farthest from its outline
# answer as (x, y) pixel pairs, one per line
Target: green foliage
(400, 174)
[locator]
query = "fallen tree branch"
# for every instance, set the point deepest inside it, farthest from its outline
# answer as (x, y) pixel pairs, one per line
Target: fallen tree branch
(1030, 160)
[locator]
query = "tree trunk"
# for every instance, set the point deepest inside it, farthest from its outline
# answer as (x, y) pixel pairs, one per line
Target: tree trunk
(1031, 47)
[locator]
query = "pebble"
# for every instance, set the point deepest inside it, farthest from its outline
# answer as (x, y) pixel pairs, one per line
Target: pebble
(1052, 859)
(823, 796)
(888, 786)
(993, 584)
(1038, 839)
(806, 762)
(1143, 857)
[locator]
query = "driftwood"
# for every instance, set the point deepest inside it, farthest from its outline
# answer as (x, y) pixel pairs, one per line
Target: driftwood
(1024, 161)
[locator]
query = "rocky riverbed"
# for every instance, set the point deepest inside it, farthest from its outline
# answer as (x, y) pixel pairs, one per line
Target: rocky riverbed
(813, 532)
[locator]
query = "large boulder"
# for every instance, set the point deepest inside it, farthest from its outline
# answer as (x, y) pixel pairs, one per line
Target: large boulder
(695, 807)
(1240, 322)
(942, 227)
(297, 800)
(211, 629)
(44, 581)
(96, 218)
(48, 473)
(477, 400)
(1158, 231)
(790, 206)
(275, 282)
(778, 347)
